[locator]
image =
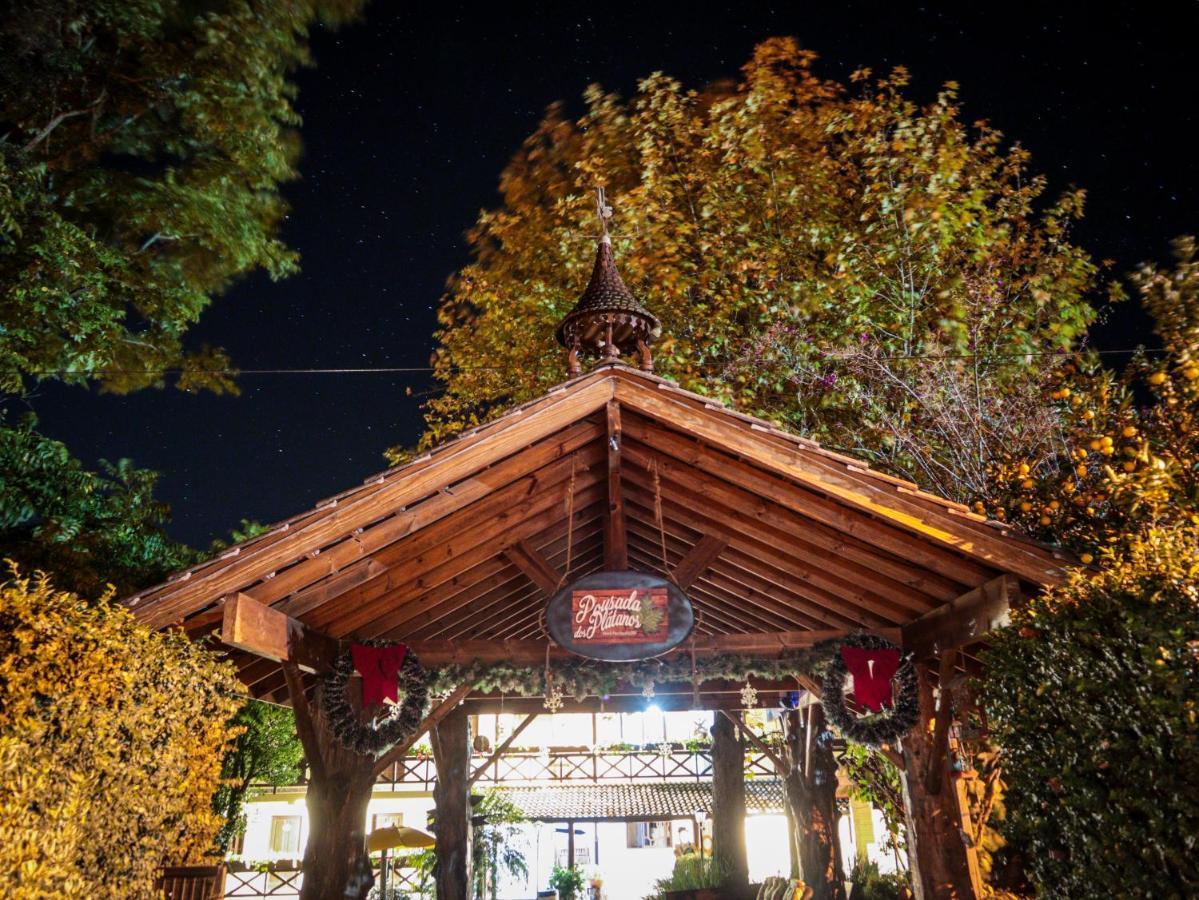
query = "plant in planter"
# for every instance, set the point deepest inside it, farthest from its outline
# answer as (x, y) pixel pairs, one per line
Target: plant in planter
(693, 878)
(568, 882)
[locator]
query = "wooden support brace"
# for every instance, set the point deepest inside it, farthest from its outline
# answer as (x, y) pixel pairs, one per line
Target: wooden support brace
(443, 709)
(936, 761)
(963, 620)
(529, 560)
(702, 555)
(616, 549)
(314, 752)
(762, 746)
(256, 628)
(499, 751)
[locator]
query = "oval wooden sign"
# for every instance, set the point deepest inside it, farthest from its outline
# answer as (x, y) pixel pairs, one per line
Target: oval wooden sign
(620, 616)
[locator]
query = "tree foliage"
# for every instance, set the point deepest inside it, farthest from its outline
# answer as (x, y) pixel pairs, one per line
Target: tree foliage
(1126, 455)
(495, 847)
(872, 272)
(110, 744)
(88, 529)
(266, 751)
(1094, 694)
(144, 145)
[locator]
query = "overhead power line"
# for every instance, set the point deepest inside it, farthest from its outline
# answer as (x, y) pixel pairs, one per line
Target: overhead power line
(413, 370)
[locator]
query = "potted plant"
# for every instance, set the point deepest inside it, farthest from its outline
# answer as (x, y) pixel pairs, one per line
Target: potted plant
(693, 878)
(568, 882)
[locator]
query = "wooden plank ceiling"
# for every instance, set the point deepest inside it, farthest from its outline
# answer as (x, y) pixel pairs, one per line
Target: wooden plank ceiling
(775, 533)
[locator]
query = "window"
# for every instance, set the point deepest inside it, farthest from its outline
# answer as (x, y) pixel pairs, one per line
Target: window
(386, 820)
(285, 835)
(649, 834)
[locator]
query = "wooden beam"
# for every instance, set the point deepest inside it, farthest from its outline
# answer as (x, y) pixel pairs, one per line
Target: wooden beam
(439, 712)
(743, 502)
(255, 628)
(497, 488)
(702, 555)
(935, 775)
(847, 482)
(467, 455)
(481, 531)
(825, 524)
(616, 553)
(499, 751)
(738, 720)
(446, 651)
(529, 560)
(962, 621)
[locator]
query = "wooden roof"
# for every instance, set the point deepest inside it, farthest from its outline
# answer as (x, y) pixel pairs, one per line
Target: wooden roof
(775, 535)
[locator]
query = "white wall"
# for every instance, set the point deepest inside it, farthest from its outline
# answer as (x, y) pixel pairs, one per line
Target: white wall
(412, 805)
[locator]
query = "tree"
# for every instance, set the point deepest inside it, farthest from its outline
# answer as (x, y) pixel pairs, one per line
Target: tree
(495, 844)
(1126, 454)
(265, 751)
(144, 145)
(110, 744)
(1092, 686)
(89, 529)
(870, 272)
(1092, 693)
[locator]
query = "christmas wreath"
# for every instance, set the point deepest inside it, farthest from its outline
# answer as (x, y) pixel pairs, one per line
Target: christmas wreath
(890, 692)
(399, 720)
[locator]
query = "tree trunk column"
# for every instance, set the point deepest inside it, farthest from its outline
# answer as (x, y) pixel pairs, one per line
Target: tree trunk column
(728, 802)
(937, 854)
(451, 796)
(810, 787)
(336, 863)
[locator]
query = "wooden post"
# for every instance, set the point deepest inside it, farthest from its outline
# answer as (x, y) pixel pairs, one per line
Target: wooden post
(451, 798)
(616, 550)
(728, 803)
(937, 854)
(810, 789)
(336, 863)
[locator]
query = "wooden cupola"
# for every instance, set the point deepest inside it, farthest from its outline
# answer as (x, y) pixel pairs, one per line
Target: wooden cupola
(608, 322)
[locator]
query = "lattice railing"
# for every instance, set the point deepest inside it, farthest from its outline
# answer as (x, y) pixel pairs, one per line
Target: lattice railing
(282, 880)
(575, 766)
(580, 766)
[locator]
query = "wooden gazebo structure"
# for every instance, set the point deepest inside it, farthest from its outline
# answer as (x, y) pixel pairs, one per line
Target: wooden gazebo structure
(778, 543)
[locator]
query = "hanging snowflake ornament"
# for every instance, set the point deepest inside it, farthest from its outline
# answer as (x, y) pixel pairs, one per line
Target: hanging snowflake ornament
(553, 699)
(749, 696)
(648, 691)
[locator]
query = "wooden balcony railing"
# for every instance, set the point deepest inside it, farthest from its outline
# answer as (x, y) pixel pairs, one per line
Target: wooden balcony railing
(576, 766)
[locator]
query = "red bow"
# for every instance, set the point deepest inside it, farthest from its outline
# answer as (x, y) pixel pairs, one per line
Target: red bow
(380, 671)
(872, 671)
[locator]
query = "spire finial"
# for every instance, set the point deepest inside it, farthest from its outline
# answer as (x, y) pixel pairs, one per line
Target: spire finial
(603, 211)
(607, 322)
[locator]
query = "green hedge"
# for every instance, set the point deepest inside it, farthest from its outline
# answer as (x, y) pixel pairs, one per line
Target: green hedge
(1093, 691)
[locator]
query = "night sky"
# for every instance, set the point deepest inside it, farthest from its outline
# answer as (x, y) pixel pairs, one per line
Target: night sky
(410, 115)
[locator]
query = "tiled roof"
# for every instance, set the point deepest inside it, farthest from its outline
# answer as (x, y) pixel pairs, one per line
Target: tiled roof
(636, 801)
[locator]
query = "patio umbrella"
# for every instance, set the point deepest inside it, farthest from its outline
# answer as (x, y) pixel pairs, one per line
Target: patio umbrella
(398, 836)
(384, 839)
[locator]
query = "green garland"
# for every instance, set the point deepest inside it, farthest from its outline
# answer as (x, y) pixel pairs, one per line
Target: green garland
(583, 678)
(872, 729)
(402, 720)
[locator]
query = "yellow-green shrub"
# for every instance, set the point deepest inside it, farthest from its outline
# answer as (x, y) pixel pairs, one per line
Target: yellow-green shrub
(111, 738)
